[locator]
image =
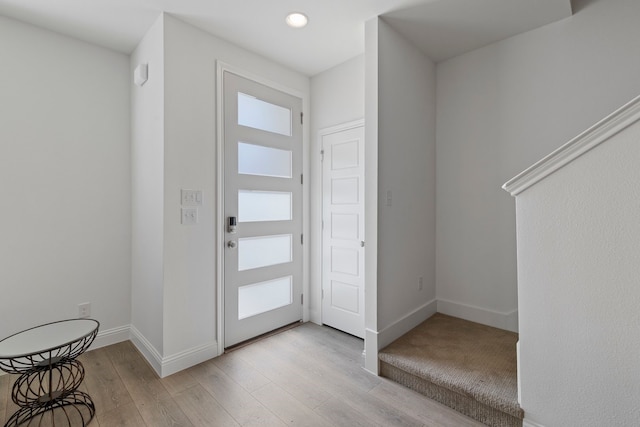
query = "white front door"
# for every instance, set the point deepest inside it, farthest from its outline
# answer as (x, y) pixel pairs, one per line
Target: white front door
(262, 208)
(343, 239)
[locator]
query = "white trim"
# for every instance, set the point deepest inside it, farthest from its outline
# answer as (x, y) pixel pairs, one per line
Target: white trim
(221, 67)
(401, 326)
(371, 362)
(147, 349)
(165, 366)
(518, 372)
(377, 340)
(587, 140)
(188, 358)
(316, 315)
(111, 336)
(529, 423)
(507, 321)
(341, 127)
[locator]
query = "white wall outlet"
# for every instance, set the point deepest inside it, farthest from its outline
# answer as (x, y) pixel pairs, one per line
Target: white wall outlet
(389, 198)
(84, 310)
(191, 197)
(420, 283)
(189, 216)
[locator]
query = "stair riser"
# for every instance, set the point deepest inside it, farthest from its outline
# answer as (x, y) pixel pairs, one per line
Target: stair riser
(463, 404)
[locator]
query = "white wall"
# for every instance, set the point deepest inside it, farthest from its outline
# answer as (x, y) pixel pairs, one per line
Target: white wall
(147, 182)
(189, 269)
(189, 308)
(500, 108)
(578, 246)
(337, 96)
(406, 145)
(64, 179)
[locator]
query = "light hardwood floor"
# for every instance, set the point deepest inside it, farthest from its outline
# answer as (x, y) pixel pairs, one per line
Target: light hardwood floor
(305, 376)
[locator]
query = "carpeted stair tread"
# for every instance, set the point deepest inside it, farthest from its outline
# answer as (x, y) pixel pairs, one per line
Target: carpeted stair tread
(467, 358)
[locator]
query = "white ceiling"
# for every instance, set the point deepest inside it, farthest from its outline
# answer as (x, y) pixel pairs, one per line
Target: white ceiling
(441, 28)
(447, 28)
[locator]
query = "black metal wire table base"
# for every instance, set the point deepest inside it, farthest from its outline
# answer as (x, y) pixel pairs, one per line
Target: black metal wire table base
(48, 396)
(75, 409)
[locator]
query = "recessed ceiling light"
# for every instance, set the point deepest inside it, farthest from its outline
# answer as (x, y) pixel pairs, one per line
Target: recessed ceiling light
(297, 20)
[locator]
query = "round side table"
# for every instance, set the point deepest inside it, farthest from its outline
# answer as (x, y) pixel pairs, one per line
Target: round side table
(45, 358)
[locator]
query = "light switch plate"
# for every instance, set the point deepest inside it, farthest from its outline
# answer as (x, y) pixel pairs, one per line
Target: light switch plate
(189, 216)
(191, 197)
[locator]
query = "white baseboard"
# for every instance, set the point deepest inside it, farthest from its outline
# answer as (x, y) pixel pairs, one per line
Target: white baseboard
(376, 340)
(188, 358)
(148, 351)
(392, 332)
(371, 363)
(111, 336)
(528, 423)
(507, 321)
(315, 316)
(165, 366)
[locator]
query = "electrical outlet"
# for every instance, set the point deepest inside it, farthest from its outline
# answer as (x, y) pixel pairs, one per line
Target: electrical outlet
(84, 309)
(420, 283)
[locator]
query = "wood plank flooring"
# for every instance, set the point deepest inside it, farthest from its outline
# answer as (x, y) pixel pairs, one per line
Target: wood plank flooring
(305, 376)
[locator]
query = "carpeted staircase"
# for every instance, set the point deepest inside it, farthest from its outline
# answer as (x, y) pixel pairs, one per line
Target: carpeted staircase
(464, 365)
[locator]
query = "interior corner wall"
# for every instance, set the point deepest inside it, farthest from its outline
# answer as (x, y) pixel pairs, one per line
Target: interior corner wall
(337, 96)
(64, 180)
(501, 108)
(406, 184)
(147, 183)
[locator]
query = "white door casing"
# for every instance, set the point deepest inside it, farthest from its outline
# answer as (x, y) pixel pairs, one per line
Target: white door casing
(263, 192)
(343, 241)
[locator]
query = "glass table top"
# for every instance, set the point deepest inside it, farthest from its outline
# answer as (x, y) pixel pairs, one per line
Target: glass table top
(45, 337)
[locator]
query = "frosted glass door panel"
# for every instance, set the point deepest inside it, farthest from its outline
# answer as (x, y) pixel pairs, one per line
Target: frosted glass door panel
(263, 261)
(261, 297)
(254, 206)
(263, 161)
(256, 252)
(258, 114)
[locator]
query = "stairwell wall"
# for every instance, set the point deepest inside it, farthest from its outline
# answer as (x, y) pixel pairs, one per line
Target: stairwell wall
(499, 109)
(578, 246)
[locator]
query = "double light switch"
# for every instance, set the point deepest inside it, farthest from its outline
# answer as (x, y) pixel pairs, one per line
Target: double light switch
(192, 199)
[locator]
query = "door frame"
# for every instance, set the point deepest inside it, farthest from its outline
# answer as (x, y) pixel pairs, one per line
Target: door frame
(321, 133)
(221, 67)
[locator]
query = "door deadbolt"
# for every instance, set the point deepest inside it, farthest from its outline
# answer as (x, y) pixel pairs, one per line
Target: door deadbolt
(232, 244)
(232, 224)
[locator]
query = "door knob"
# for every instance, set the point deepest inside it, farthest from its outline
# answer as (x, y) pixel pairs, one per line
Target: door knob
(232, 244)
